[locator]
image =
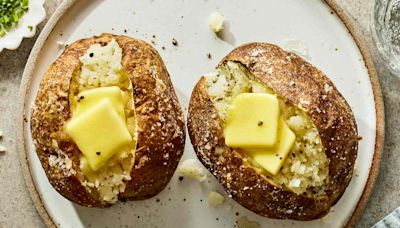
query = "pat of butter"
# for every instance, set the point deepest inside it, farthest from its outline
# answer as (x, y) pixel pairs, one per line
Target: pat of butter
(252, 121)
(272, 160)
(89, 98)
(99, 133)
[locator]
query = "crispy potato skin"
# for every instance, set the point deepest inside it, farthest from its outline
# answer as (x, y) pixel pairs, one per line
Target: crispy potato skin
(159, 117)
(300, 83)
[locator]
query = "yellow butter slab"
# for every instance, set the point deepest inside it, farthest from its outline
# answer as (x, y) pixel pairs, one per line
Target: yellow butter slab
(252, 121)
(99, 133)
(272, 160)
(89, 98)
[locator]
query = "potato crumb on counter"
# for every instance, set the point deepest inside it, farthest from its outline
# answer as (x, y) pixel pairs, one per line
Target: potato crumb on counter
(216, 21)
(1, 134)
(191, 168)
(2, 149)
(215, 198)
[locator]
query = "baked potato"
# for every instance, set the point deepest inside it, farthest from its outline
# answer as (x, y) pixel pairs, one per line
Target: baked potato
(320, 162)
(132, 74)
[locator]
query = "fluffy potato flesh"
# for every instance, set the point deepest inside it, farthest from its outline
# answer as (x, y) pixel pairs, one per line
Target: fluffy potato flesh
(101, 67)
(306, 168)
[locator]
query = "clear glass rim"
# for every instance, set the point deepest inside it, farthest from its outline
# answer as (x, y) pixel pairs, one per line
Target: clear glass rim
(392, 61)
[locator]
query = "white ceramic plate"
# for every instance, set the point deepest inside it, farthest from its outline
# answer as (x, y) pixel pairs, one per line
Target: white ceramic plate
(33, 17)
(309, 25)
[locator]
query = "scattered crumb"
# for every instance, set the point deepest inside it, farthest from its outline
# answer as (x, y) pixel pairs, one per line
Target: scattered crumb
(216, 21)
(163, 47)
(359, 138)
(174, 42)
(2, 149)
(60, 43)
(215, 198)
(244, 222)
(191, 168)
(209, 56)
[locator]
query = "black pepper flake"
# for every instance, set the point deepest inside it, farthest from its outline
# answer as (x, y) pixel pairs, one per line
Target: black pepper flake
(138, 216)
(184, 199)
(201, 200)
(237, 213)
(163, 47)
(91, 55)
(293, 154)
(209, 56)
(277, 155)
(154, 36)
(217, 219)
(157, 200)
(180, 178)
(359, 138)
(80, 98)
(125, 31)
(260, 123)
(301, 151)
(280, 158)
(169, 199)
(98, 153)
(174, 42)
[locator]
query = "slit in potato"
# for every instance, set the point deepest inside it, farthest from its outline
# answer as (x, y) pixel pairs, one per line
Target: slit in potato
(101, 67)
(306, 168)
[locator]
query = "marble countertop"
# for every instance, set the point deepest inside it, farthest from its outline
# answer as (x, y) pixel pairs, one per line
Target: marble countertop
(17, 210)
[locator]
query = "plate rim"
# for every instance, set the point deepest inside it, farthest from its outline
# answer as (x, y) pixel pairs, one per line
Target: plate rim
(355, 33)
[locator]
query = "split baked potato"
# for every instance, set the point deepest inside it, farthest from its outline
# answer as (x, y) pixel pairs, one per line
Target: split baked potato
(133, 77)
(319, 164)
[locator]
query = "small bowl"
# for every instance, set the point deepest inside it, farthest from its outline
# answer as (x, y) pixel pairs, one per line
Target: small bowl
(26, 26)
